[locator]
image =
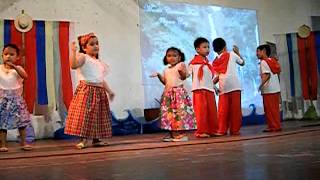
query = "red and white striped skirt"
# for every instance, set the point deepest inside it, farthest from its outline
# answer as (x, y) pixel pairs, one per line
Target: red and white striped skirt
(89, 113)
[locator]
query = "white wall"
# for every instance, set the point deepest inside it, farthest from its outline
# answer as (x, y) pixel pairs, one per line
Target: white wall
(116, 24)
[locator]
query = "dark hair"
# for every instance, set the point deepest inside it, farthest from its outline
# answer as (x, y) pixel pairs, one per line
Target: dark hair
(181, 54)
(218, 44)
(199, 41)
(12, 46)
(83, 41)
(266, 48)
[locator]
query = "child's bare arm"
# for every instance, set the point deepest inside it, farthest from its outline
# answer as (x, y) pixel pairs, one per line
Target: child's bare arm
(22, 73)
(109, 91)
(76, 60)
(183, 71)
(236, 50)
(159, 76)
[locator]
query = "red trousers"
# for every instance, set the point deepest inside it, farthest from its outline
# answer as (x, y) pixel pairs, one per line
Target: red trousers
(271, 110)
(229, 113)
(308, 66)
(205, 110)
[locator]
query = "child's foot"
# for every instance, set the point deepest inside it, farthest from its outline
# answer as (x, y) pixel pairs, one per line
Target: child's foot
(27, 147)
(218, 134)
(167, 138)
(98, 143)
(82, 145)
(181, 138)
(203, 135)
(3, 149)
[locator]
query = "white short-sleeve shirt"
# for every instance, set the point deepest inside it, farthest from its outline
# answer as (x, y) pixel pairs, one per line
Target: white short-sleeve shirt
(229, 81)
(273, 84)
(207, 80)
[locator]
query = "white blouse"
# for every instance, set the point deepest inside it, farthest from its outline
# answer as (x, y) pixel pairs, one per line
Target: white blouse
(10, 79)
(172, 76)
(92, 71)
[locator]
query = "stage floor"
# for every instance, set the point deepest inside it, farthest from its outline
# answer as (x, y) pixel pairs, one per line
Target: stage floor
(291, 154)
(51, 147)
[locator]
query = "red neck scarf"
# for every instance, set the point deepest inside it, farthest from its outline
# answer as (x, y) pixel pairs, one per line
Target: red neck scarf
(199, 60)
(273, 64)
(220, 64)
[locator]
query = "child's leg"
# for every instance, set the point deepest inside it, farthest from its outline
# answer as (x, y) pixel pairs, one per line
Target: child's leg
(22, 132)
(223, 114)
(200, 111)
(235, 113)
(3, 138)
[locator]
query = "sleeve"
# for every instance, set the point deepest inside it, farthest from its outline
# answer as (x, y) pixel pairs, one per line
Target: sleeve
(107, 68)
(264, 68)
(237, 58)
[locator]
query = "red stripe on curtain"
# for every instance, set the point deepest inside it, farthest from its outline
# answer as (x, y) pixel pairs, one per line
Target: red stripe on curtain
(65, 67)
(16, 38)
(30, 67)
(308, 66)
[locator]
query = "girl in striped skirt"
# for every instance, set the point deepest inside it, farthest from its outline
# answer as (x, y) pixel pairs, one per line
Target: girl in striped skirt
(89, 114)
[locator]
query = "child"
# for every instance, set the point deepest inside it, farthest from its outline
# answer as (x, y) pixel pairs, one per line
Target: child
(89, 112)
(229, 106)
(176, 107)
(13, 109)
(203, 90)
(270, 87)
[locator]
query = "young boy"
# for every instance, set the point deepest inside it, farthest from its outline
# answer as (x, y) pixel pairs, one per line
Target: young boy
(270, 87)
(229, 106)
(204, 103)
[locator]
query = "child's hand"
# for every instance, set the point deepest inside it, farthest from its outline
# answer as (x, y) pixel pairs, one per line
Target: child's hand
(111, 95)
(10, 64)
(153, 75)
(74, 46)
(260, 88)
(236, 49)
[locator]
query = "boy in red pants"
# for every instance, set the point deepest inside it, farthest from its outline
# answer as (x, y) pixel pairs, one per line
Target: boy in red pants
(229, 106)
(270, 88)
(203, 90)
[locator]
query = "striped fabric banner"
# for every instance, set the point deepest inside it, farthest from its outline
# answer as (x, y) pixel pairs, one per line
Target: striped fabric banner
(291, 70)
(282, 50)
(50, 64)
(300, 62)
(41, 63)
(296, 69)
(47, 62)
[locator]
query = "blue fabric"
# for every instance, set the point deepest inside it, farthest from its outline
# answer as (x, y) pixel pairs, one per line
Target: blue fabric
(7, 32)
(317, 33)
(292, 83)
(41, 63)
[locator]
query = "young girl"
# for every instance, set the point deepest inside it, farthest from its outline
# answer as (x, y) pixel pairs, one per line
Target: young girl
(13, 109)
(89, 114)
(176, 107)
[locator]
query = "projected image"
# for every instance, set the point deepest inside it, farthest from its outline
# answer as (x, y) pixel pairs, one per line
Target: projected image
(171, 24)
